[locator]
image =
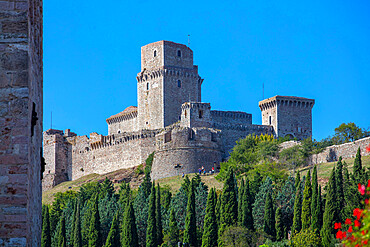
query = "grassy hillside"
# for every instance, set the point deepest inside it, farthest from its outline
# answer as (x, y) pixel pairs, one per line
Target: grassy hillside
(174, 183)
(324, 169)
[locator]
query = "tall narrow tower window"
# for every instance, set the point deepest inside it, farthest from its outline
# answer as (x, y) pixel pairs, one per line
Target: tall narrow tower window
(178, 53)
(179, 83)
(200, 114)
(155, 53)
(147, 86)
(269, 120)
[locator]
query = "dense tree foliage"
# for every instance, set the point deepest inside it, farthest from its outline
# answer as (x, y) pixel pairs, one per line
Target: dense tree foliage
(267, 204)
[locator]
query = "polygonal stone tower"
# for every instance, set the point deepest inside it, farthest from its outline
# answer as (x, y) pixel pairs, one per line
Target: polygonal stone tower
(168, 78)
(289, 115)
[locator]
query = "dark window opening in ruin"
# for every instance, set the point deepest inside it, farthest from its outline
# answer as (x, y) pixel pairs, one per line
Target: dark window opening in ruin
(147, 123)
(186, 113)
(155, 53)
(179, 118)
(179, 83)
(147, 86)
(191, 134)
(200, 114)
(119, 131)
(167, 137)
(213, 137)
(269, 120)
(178, 53)
(34, 118)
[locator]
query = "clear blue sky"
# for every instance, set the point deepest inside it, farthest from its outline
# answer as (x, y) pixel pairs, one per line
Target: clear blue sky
(313, 49)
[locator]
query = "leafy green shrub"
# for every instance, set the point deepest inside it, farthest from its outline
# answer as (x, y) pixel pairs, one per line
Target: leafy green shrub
(306, 238)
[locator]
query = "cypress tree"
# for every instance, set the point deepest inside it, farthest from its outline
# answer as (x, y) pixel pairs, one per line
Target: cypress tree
(46, 234)
(269, 219)
(151, 230)
(330, 211)
(240, 202)
(297, 221)
(340, 191)
(113, 239)
(297, 179)
(258, 210)
(129, 235)
(247, 219)
(173, 231)
(315, 191)
(209, 238)
(158, 216)
(279, 225)
(319, 209)
(228, 204)
(357, 167)
(76, 234)
(306, 204)
(62, 240)
(95, 239)
(190, 233)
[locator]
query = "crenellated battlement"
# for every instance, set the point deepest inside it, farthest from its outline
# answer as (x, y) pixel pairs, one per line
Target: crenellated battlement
(290, 101)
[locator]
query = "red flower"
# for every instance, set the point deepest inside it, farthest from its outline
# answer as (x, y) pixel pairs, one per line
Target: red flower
(361, 189)
(357, 223)
(363, 232)
(368, 183)
(348, 222)
(368, 149)
(337, 226)
(341, 235)
(350, 229)
(364, 241)
(357, 212)
(366, 201)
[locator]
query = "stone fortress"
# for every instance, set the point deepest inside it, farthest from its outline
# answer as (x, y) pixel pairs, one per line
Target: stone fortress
(170, 120)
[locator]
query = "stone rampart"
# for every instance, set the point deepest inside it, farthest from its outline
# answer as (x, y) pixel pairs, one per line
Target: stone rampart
(185, 150)
(69, 158)
(346, 150)
(231, 117)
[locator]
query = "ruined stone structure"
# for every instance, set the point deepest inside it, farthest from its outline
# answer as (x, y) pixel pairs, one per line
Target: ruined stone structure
(20, 122)
(171, 121)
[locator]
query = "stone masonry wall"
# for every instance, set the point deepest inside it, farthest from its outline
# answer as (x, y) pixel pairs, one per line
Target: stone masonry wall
(125, 125)
(73, 157)
(20, 122)
(347, 150)
(191, 148)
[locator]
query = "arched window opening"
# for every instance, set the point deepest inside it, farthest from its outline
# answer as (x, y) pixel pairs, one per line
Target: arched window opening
(155, 53)
(186, 113)
(147, 86)
(178, 53)
(179, 83)
(269, 120)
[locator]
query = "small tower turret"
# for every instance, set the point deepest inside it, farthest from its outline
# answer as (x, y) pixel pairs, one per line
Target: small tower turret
(195, 114)
(289, 115)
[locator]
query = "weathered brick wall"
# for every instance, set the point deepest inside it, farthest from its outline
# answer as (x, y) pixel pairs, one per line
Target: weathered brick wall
(347, 150)
(20, 122)
(190, 147)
